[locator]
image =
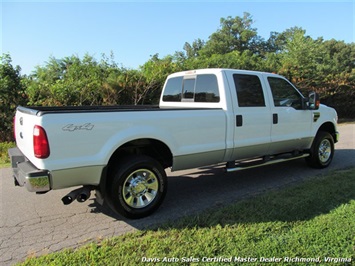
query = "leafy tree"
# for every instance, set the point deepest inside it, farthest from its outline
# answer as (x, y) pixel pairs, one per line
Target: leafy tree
(324, 66)
(113, 90)
(337, 71)
(193, 50)
(131, 83)
(235, 59)
(235, 34)
(11, 95)
(300, 57)
(69, 81)
(155, 72)
(275, 43)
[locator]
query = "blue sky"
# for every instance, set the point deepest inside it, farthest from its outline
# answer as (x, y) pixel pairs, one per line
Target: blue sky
(32, 31)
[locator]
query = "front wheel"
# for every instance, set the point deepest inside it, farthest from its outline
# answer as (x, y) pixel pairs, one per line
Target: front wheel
(138, 186)
(322, 150)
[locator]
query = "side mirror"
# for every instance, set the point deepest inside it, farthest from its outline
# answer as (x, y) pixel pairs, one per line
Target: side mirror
(313, 101)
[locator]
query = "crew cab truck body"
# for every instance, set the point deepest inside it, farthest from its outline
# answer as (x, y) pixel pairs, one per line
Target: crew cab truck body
(207, 116)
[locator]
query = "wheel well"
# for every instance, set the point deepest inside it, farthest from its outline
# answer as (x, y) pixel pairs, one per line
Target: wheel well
(150, 147)
(328, 127)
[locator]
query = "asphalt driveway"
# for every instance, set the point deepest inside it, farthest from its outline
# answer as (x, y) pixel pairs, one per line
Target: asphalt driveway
(33, 224)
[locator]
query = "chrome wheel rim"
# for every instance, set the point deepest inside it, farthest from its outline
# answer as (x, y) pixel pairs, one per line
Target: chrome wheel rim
(325, 150)
(140, 188)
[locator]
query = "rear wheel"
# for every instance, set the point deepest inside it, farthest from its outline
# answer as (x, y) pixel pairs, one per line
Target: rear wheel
(138, 186)
(322, 150)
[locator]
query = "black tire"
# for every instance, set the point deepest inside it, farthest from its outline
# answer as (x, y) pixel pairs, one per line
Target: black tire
(322, 151)
(137, 187)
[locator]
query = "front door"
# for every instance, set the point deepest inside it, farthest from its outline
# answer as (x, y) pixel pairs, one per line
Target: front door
(291, 127)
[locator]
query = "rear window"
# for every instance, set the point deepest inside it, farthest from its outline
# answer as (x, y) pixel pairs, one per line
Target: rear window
(206, 89)
(172, 91)
(200, 88)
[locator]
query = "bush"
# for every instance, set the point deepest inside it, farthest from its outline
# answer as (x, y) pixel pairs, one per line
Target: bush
(12, 94)
(4, 157)
(342, 101)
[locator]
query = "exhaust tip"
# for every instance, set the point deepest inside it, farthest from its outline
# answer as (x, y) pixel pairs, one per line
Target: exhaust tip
(70, 197)
(67, 200)
(80, 194)
(84, 194)
(82, 198)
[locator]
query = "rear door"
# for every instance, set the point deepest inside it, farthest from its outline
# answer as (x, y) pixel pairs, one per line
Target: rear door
(252, 115)
(291, 127)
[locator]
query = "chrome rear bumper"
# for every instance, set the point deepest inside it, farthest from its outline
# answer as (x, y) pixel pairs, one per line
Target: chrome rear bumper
(26, 174)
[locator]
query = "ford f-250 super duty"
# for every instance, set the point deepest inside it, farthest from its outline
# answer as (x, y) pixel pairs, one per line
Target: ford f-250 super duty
(208, 116)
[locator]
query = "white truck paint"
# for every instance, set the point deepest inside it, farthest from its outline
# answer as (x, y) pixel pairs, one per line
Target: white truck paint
(206, 116)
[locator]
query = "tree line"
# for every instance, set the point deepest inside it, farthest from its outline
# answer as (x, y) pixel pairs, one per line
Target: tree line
(324, 66)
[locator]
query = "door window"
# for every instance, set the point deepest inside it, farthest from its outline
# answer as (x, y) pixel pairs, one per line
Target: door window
(249, 90)
(284, 94)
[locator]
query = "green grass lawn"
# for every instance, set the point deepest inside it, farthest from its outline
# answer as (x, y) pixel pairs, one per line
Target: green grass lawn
(310, 222)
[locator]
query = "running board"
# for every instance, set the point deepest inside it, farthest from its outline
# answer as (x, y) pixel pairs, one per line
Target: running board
(262, 162)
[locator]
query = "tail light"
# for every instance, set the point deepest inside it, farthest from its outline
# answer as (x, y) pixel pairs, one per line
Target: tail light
(40, 142)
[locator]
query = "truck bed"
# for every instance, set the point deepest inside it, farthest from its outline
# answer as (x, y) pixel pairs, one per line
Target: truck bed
(41, 110)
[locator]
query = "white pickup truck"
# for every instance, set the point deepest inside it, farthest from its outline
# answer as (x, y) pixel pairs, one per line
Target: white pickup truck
(208, 116)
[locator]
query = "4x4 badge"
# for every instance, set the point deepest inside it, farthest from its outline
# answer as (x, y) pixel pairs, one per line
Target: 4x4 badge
(72, 127)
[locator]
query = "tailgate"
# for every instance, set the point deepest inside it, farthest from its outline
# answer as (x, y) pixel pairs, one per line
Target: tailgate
(25, 120)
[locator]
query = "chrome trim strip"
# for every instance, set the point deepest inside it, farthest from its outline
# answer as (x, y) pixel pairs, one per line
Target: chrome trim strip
(266, 163)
